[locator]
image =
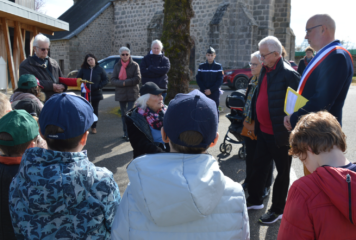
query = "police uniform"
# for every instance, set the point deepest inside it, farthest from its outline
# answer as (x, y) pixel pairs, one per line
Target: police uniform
(210, 76)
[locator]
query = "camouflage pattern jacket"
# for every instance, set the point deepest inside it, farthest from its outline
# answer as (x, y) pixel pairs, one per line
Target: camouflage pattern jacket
(62, 195)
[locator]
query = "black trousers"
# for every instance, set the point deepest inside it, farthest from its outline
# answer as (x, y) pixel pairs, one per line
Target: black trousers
(95, 105)
(251, 146)
(266, 152)
(215, 96)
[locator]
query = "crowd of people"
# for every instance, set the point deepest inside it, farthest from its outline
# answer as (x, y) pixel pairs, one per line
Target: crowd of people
(50, 189)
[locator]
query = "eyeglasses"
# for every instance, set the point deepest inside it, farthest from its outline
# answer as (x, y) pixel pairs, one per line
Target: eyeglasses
(253, 64)
(264, 56)
(124, 54)
(308, 30)
(43, 49)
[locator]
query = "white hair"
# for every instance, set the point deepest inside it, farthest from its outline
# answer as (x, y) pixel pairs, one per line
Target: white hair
(157, 42)
(273, 44)
(124, 49)
(257, 54)
(142, 101)
(40, 38)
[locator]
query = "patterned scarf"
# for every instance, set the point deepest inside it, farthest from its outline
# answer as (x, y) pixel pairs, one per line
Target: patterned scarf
(154, 119)
(247, 109)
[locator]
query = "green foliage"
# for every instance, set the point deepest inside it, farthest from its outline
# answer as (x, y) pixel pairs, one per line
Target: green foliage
(177, 44)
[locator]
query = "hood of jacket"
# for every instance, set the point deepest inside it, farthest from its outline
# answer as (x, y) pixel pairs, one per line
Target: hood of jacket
(339, 185)
(175, 188)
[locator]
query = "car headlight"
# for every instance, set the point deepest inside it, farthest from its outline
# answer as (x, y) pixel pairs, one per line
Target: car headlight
(228, 73)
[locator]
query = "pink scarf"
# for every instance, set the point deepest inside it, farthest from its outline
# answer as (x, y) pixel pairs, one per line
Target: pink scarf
(122, 74)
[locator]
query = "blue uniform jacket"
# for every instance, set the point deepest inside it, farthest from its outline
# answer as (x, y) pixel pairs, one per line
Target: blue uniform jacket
(209, 76)
(327, 86)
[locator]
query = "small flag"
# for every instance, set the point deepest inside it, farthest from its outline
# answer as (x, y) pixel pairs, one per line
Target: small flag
(85, 90)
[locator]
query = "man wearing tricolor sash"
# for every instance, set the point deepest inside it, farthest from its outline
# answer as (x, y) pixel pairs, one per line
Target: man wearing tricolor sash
(327, 78)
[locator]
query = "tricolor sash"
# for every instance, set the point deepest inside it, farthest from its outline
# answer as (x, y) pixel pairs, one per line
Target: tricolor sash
(317, 60)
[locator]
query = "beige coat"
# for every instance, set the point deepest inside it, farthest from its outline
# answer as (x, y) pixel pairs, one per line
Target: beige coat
(129, 92)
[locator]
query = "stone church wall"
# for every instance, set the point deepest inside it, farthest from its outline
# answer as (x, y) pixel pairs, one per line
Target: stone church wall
(96, 38)
(232, 27)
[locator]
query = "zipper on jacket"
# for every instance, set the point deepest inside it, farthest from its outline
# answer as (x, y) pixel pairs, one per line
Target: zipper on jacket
(348, 180)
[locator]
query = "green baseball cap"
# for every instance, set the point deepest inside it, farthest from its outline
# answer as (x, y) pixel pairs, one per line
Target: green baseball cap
(29, 79)
(20, 125)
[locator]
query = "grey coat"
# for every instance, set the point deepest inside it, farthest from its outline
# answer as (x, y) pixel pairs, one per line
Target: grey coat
(30, 66)
(129, 92)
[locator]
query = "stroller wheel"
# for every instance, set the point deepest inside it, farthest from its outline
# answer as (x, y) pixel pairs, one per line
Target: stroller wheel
(228, 148)
(223, 148)
(242, 153)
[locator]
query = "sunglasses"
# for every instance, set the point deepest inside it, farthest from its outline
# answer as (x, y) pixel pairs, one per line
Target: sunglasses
(124, 54)
(43, 49)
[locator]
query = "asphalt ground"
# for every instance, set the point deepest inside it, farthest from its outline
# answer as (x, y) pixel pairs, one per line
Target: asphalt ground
(108, 149)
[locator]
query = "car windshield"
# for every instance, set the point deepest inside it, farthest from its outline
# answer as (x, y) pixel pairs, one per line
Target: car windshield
(293, 64)
(108, 63)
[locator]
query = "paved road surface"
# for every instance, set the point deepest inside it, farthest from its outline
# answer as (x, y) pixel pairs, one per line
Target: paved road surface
(108, 149)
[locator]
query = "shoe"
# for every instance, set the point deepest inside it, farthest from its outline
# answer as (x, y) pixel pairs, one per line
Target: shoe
(270, 217)
(244, 186)
(127, 139)
(254, 207)
(124, 137)
(266, 192)
(93, 130)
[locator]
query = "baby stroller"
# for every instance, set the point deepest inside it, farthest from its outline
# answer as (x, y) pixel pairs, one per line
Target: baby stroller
(236, 102)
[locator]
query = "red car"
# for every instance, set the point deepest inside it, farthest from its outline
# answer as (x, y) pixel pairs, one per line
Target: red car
(238, 78)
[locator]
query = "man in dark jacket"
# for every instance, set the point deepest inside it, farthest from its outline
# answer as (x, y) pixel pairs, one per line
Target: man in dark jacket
(155, 66)
(44, 68)
(309, 54)
(272, 137)
(326, 80)
(210, 77)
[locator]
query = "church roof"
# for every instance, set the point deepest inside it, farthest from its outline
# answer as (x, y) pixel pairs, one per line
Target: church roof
(79, 16)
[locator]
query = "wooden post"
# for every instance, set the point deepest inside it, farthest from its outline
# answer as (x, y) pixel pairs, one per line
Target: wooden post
(16, 52)
(20, 40)
(31, 43)
(10, 61)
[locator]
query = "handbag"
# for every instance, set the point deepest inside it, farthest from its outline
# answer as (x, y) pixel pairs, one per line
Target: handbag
(248, 130)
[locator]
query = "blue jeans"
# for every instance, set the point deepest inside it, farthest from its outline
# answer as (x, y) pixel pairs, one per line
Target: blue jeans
(125, 107)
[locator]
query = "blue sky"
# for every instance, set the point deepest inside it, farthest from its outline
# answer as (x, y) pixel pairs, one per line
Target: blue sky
(342, 11)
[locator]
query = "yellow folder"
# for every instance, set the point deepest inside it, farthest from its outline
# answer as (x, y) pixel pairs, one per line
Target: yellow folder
(293, 102)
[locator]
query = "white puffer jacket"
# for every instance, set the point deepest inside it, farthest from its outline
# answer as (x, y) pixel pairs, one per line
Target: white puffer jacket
(180, 196)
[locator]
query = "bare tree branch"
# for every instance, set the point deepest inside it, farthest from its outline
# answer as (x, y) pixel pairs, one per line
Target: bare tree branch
(39, 6)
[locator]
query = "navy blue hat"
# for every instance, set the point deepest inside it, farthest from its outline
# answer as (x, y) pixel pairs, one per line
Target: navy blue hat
(191, 112)
(72, 113)
(210, 50)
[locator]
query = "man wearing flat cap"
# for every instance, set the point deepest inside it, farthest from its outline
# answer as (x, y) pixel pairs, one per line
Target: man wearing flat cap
(210, 77)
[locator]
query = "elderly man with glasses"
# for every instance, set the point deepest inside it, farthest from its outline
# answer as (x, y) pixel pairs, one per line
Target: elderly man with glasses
(272, 137)
(327, 78)
(44, 68)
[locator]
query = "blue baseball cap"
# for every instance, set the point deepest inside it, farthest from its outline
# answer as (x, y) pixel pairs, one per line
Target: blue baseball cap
(72, 113)
(191, 112)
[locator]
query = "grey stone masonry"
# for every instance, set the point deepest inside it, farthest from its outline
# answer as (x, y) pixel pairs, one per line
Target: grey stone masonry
(232, 27)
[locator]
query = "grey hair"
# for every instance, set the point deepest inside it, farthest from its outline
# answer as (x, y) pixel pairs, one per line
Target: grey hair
(5, 104)
(157, 42)
(41, 38)
(257, 54)
(124, 49)
(273, 44)
(142, 101)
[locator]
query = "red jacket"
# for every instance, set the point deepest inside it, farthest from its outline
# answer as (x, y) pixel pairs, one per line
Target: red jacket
(319, 207)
